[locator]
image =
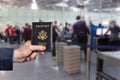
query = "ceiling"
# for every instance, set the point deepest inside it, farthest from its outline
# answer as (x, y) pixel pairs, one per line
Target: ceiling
(92, 5)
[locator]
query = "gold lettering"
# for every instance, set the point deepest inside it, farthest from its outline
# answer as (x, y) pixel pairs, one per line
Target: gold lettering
(42, 25)
(42, 43)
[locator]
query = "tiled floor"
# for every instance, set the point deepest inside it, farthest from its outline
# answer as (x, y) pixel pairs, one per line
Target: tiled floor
(44, 68)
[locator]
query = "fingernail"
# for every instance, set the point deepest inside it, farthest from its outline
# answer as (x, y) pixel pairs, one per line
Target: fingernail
(44, 47)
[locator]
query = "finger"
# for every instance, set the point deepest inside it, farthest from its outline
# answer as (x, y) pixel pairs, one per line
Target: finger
(37, 47)
(33, 56)
(28, 59)
(24, 60)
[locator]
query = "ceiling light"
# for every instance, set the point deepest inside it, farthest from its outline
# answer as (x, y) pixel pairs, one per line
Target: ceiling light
(86, 2)
(0, 6)
(61, 4)
(65, 0)
(117, 9)
(105, 22)
(74, 9)
(34, 5)
(34, 1)
(95, 10)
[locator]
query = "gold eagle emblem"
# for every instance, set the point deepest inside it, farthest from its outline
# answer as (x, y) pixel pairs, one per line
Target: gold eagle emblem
(42, 35)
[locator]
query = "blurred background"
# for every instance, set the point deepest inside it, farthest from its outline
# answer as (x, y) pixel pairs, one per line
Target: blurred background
(21, 11)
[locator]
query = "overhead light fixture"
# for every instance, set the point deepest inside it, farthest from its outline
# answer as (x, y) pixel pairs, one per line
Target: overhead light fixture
(86, 2)
(0, 6)
(61, 4)
(74, 9)
(105, 22)
(65, 0)
(117, 9)
(34, 5)
(95, 10)
(34, 1)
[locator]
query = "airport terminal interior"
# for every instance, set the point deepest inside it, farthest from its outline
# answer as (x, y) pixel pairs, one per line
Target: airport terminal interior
(82, 38)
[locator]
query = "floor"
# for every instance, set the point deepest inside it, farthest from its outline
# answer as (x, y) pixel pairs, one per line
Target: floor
(45, 68)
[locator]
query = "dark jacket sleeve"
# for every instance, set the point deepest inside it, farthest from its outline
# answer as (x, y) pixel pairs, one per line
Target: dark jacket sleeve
(6, 58)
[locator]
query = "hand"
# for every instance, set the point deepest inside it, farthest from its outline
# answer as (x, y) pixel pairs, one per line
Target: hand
(25, 53)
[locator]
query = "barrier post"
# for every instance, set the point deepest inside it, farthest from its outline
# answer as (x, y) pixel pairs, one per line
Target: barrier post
(88, 64)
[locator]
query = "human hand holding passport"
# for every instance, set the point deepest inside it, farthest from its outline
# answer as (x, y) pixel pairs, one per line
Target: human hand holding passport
(42, 34)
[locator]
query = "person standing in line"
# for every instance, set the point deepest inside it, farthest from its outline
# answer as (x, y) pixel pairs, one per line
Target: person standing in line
(1, 36)
(70, 28)
(22, 34)
(66, 28)
(60, 27)
(10, 33)
(81, 31)
(27, 32)
(7, 33)
(18, 33)
(55, 36)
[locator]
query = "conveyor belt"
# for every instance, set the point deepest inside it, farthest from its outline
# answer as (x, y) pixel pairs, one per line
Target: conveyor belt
(110, 56)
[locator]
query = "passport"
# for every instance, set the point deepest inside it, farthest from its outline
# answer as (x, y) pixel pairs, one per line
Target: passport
(42, 34)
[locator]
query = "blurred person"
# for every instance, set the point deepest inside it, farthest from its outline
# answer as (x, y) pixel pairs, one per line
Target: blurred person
(81, 31)
(18, 33)
(55, 36)
(22, 34)
(93, 29)
(1, 36)
(27, 32)
(114, 36)
(15, 37)
(70, 28)
(5, 37)
(60, 27)
(66, 28)
(10, 32)
(24, 53)
(100, 25)
(6, 32)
